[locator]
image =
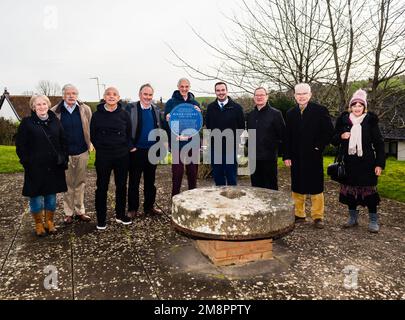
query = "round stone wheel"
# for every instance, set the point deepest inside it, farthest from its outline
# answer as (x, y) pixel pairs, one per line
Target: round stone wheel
(233, 213)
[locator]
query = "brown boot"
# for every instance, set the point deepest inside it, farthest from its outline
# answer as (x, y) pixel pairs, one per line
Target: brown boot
(49, 225)
(39, 227)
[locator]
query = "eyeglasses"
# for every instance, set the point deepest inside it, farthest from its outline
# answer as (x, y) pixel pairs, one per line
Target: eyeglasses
(260, 95)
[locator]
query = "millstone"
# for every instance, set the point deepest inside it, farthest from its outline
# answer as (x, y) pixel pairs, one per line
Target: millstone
(233, 213)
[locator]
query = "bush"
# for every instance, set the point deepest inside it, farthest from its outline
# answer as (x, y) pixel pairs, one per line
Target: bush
(8, 131)
(282, 103)
(330, 151)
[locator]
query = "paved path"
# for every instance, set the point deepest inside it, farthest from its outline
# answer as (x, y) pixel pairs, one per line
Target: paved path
(148, 260)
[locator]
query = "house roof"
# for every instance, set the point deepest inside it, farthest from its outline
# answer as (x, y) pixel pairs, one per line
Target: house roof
(21, 103)
(5, 97)
(392, 133)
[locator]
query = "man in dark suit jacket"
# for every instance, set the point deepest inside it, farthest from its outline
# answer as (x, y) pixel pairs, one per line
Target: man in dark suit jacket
(224, 115)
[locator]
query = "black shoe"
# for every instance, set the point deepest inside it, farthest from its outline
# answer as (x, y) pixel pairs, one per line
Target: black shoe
(318, 223)
(134, 214)
(299, 219)
(154, 211)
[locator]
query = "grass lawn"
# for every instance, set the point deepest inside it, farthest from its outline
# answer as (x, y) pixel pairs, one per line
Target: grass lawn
(9, 162)
(391, 184)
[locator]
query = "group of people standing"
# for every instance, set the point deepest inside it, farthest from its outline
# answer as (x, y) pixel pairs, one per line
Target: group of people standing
(122, 139)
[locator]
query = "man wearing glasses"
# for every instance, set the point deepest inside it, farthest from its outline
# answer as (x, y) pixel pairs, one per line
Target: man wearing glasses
(270, 130)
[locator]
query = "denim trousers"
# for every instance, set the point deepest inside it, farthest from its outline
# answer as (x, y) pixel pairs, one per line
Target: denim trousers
(39, 203)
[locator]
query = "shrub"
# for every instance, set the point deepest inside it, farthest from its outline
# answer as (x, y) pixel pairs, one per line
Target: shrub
(8, 131)
(330, 151)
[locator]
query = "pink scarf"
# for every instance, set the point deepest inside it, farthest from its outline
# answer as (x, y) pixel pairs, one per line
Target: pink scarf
(355, 145)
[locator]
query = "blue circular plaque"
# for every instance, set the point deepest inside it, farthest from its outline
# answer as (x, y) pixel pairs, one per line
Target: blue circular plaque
(185, 120)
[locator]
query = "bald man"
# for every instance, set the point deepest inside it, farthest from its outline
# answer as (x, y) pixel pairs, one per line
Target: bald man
(110, 133)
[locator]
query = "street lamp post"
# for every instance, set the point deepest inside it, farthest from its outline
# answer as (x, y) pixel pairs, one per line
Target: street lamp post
(98, 86)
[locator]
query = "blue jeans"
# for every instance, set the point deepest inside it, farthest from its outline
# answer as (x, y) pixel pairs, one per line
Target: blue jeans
(39, 203)
(225, 174)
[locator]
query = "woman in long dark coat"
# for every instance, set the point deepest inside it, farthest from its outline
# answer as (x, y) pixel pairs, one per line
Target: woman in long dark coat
(40, 139)
(362, 145)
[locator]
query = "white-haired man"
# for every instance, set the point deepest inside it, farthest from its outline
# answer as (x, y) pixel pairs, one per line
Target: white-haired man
(309, 130)
(75, 117)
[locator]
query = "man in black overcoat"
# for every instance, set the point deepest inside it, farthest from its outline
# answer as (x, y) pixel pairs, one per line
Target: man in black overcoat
(309, 130)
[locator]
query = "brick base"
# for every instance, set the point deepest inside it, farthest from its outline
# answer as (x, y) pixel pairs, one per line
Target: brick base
(223, 253)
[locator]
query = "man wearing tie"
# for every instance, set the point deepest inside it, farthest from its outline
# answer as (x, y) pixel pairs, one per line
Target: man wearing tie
(226, 116)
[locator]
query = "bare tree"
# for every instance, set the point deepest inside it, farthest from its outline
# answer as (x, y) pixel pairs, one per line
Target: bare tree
(387, 54)
(28, 93)
(341, 41)
(275, 44)
(331, 44)
(48, 88)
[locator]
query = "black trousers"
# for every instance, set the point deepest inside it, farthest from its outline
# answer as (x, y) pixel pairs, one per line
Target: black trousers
(265, 175)
(138, 164)
(104, 166)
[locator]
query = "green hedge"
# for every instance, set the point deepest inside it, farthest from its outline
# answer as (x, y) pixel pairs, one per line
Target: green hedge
(8, 131)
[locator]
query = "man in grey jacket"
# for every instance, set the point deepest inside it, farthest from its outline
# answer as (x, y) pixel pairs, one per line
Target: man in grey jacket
(145, 117)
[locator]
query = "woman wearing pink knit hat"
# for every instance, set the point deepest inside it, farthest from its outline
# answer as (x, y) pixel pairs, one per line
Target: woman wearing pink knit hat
(362, 144)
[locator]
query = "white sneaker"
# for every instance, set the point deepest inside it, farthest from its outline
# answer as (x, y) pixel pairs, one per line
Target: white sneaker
(101, 227)
(125, 221)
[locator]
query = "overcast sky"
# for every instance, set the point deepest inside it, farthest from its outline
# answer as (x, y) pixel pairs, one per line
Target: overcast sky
(122, 42)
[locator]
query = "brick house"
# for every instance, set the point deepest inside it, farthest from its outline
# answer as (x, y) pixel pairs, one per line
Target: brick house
(14, 108)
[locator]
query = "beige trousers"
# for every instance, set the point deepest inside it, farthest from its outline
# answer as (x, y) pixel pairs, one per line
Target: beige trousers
(317, 205)
(73, 199)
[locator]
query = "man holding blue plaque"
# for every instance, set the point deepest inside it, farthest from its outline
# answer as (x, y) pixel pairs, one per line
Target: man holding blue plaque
(181, 137)
(226, 116)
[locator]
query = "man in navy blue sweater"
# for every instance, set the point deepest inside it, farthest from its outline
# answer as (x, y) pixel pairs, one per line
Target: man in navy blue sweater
(145, 117)
(75, 117)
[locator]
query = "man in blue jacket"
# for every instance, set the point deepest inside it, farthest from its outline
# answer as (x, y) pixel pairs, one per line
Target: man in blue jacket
(182, 95)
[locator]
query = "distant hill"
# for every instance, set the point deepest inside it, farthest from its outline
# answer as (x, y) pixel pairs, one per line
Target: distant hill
(204, 101)
(92, 105)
